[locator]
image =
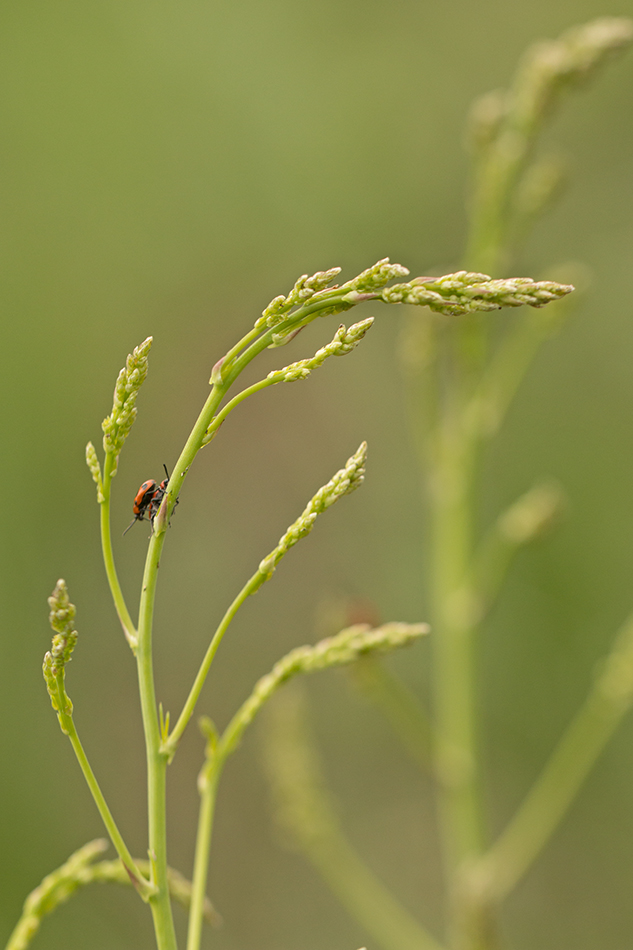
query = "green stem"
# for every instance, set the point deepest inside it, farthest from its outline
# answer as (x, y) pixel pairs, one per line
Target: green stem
(235, 401)
(171, 743)
(208, 784)
(143, 886)
(456, 758)
(157, 759)
(559, 783)
(108, 556)
(341, 298)
(156, 762)
(456, 746)
(366, 898)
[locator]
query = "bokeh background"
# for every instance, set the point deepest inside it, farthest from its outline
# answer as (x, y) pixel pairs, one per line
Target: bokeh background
(167, 169)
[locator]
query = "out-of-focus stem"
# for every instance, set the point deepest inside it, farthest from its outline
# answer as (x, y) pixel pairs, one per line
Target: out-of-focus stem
(557, 786)
(453, 669)
(449, 480)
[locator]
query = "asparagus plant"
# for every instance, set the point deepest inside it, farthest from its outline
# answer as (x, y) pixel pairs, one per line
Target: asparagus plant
(311, 297)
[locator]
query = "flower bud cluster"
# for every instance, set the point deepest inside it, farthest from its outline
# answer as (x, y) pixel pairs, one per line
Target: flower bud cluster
(376, 277)
(92, 462)
(305, 288)
(117, 425)
(55, 889)
(343, 342)
(346, 480)
(465, 292)
(334, 299)
(553, 64)
(61, 618)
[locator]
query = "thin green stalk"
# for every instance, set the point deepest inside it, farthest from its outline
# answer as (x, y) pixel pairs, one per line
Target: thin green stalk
(342, 483)
(366, 898)
(456, 745)
(235, 401)
(171, 743)
(246, 340)
(108, 556)
(456, 754)
(557, 786)
(156, 762)
(208, 785)
(143, 886)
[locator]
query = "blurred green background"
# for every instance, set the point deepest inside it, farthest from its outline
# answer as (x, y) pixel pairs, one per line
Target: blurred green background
(167, 169)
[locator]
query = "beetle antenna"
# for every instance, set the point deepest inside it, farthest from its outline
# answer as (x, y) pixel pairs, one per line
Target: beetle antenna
(129, 526)
(166, 472)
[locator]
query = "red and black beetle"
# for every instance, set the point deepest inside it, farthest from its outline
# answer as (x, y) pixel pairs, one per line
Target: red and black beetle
(148, 499)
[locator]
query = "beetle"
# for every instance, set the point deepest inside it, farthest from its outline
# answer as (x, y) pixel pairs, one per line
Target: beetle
(148, 499)
(143, 501)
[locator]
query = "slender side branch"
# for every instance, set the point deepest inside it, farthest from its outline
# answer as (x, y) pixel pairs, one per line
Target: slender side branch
(62, 621)
(346, 647)
(170, 744)
(344, 342)
(207, 787)
(342, 483)
(527, 833)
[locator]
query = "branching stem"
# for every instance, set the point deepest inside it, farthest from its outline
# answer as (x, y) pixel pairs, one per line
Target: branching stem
(171, 743)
